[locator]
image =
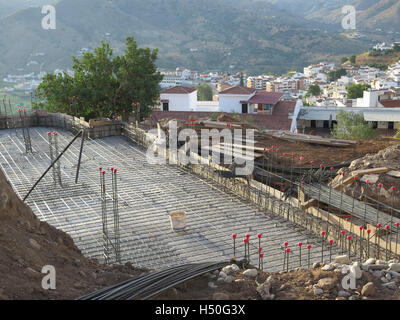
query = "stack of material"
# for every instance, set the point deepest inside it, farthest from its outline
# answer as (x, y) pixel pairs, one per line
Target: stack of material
(288, 136)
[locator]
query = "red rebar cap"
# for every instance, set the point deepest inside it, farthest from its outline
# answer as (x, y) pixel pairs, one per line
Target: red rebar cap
(312, 162)
(379, 225)
(397, 224)
(387, 227)
(343, 232)
(393, 188)
(234, 236)
(300, 244)
(55, 133)
(369, 231)
(288, 250)
(293, 155)
(309, 246)
(321, 165)
(286, 243)
(302, 182)
(260, 249)
(284, 154)
(355, 178)
(277, 150)
(245, 240)
(331, 242)
(48, 133)
(104, 172)
(112, 169)
(323, 233)
(347, 219)
(247, 235)
(301, 158)
(361, 228)
(115, 170)
(349, 237)
(259, 235)
(380, 185)
(261, 255)
(331, 168)
(101, 169)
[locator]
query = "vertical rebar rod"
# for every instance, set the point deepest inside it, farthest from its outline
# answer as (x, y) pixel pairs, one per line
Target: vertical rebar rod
(57, 164)
(80, 156)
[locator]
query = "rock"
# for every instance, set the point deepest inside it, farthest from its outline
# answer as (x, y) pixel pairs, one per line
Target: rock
(318, 291)
(271, 280)
(79, 285)
(388, 276)
(222, 275)
(226, 270)
(377, 267)
(384, 280)
(250, 273)
(263, 290)
(390, 285)
(394, 267)
(373, 178)
(220, 279)
(240, 280)
(316, 265)
(368, 289)
(326, 283)
(229, 279)
(220, 296)
(369, 261)
(354, 297)
(234, 267)
(34, 244)
(328, 267)
(340, 298)
(393, 173)
(3, 296)
(394, 274)
(381, 263)
(344, 259)
(343, 293)
(212, 285)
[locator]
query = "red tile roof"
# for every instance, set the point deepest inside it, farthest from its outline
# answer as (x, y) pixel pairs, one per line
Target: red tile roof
(264, 97)
(238, 90)
(390, 103)
(179, 90)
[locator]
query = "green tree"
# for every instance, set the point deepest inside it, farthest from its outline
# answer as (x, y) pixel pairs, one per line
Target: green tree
(352, 59)
(204, 92)
(104, 85)
(355, 91)
(313, 90)
(343, 60)
(351, 125)
(336, 74)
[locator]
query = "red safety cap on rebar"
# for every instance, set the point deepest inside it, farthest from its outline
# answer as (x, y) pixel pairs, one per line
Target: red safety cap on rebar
(331, 242)
(259, 235)
(300, 244)
(309, 246)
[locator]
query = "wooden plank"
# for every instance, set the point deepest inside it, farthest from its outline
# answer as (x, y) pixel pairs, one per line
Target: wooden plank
(360, 173)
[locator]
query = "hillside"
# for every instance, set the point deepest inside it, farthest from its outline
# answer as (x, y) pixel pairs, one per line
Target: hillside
(221, 37)
(371, 14)
(377, 61)
(27, 245)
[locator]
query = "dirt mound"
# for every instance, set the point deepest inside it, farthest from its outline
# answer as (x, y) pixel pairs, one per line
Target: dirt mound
(27, 245)
(387, 158)
(226, 118)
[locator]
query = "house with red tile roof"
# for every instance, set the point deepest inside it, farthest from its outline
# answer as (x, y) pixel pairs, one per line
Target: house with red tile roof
(179, 98)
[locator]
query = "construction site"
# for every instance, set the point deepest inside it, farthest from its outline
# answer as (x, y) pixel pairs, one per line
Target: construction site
(308, 200)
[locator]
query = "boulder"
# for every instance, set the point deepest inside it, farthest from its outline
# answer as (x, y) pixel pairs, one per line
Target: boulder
(343, 293)
(344, 259)
(34, 244)
(328, 267)
(368, 289)
(318, 291)
(326, 283)
(250, 273)
(263, 290)
(394, 267)
(229, 279)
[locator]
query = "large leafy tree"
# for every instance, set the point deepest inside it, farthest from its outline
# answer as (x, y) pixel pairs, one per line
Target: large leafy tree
(355, 91)
(351, 125)
(204, 92)
(104, 85)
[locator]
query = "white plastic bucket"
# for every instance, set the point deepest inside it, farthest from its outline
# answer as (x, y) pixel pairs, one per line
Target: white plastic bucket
(178, 220)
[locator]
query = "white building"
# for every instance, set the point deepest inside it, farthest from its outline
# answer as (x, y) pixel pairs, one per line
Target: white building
(179, 98)
(230, 99)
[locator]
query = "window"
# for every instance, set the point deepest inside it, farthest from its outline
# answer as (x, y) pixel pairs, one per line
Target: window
(165, 106)
(391, 125)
